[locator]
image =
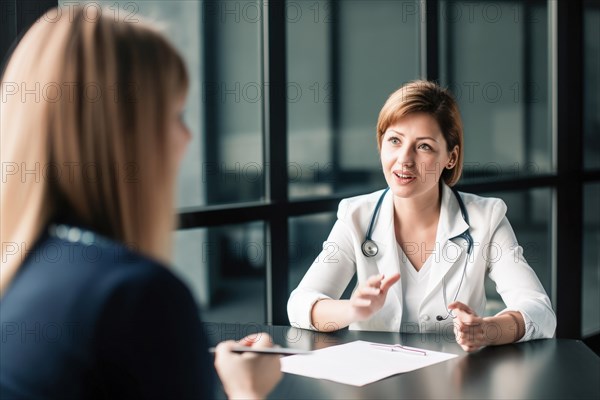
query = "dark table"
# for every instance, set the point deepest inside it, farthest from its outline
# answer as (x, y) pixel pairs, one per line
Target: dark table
(553, 368)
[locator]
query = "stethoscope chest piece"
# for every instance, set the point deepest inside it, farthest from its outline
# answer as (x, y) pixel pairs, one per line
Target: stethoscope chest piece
(369, 248)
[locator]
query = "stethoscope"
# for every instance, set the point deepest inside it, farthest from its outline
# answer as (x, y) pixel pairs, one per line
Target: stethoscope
(369, 247)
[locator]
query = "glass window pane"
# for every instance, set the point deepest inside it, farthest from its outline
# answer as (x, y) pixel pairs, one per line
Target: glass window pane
(345, 58)
(220, 42)
(310, 102)
(232, 94)
(590, 321)
(225, 268)
(591, 87)
(181, 23)
(530, 215)
(307, 234)
(500, 83)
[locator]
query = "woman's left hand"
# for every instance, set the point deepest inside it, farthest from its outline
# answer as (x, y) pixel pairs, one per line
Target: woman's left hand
(469, 328)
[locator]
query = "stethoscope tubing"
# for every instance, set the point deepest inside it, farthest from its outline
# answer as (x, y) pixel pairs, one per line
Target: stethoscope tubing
(369, 247)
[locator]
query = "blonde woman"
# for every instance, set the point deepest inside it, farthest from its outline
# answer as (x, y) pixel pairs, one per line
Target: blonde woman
(420, 249)
(91, 140)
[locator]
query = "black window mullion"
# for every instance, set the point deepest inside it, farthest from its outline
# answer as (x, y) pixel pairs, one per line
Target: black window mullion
(430, 46)
(227, 214)
(569, 192)
(275, 159)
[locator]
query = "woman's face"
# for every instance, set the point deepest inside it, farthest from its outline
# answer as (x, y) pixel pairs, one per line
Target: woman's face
(179, 133)
(414, 154)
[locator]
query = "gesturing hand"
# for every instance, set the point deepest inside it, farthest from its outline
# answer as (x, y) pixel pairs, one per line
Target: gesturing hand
(469, 328)
(369, 297)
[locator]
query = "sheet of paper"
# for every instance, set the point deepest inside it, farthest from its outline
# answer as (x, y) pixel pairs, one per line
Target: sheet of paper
(359, 363)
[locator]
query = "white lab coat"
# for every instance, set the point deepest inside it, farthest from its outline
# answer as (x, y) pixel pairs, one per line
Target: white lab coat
(495, 252)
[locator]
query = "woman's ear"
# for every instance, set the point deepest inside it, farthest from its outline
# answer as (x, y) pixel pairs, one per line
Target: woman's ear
(453, 158)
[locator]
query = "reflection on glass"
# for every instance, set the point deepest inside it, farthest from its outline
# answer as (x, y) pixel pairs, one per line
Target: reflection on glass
(225, 268)
(344, 59)
(530, 215)
(181, 23)
(590, 321)
(220, 42)
(500, 84)
(232, 94)
(591, 86)
(310, 101)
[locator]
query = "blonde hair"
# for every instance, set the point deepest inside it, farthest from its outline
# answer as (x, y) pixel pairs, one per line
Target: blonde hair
(84, 108)
(427, 97)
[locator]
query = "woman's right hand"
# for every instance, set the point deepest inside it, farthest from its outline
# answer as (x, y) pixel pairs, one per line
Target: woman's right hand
(369, 297)
(247, 375)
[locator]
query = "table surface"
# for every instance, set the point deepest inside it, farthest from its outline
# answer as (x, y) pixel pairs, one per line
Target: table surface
(553, 368)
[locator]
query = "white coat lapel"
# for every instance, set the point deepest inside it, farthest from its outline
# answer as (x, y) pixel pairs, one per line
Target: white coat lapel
(448, 252)
(385, 238)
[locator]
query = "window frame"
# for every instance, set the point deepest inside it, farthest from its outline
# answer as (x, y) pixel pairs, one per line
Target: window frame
(567, 182)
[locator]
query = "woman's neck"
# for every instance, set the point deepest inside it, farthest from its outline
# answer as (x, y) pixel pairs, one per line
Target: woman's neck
(418, 212)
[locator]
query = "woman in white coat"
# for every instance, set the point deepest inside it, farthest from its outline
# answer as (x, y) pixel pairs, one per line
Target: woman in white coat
(421, 250)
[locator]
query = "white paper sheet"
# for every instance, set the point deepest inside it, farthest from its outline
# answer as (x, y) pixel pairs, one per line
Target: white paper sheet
(358, 363)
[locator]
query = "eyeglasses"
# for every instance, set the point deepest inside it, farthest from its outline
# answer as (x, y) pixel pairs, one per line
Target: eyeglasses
(399, 347)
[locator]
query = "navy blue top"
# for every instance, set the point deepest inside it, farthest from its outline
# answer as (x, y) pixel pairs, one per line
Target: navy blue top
(100, 321)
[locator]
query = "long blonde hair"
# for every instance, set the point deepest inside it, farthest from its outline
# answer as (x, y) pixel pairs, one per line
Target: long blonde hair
(84, 106)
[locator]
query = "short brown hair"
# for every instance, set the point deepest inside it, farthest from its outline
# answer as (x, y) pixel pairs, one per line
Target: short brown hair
(426, 97)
